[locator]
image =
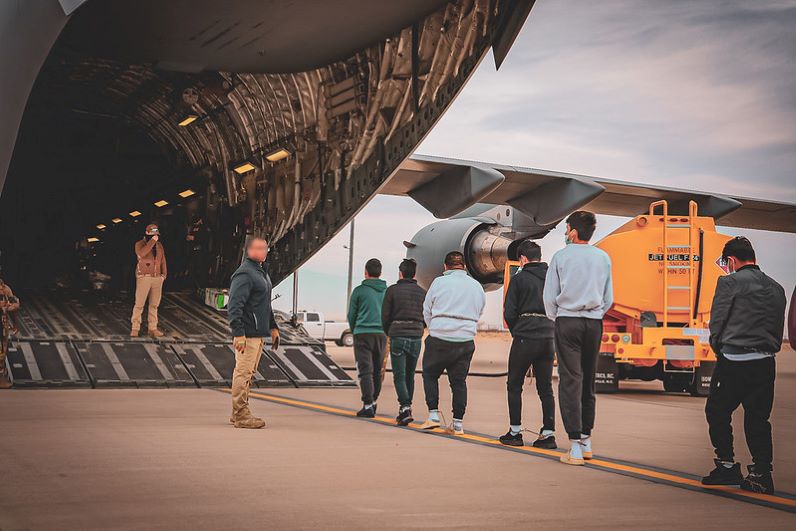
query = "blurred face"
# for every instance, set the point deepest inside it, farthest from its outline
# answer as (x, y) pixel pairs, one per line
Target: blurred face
(258, 250)
(570, 235)
(732, 264)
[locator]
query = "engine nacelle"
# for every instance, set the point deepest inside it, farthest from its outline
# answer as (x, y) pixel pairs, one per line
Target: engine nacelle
(481, 240)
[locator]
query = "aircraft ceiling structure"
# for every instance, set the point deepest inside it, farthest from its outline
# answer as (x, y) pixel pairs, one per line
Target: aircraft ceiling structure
(284, 117)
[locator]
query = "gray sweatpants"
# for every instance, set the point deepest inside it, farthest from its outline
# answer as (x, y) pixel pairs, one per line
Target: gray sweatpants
(369, 352)
(577, 348)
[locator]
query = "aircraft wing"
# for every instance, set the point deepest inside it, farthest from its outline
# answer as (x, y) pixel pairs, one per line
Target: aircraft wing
(449, 186)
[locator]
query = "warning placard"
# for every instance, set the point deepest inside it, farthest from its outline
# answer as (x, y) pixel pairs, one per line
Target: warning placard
(722, 263)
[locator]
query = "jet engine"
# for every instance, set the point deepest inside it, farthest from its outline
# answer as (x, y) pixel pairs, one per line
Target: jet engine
(485, 240)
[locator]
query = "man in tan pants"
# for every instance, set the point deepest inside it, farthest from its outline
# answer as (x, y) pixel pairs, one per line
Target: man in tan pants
(149, 276)
(250, 320)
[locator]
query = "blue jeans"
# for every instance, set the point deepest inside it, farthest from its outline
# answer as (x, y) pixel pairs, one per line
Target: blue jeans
(404, 352)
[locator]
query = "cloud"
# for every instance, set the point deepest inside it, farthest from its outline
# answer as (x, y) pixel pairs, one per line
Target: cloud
(656, 92)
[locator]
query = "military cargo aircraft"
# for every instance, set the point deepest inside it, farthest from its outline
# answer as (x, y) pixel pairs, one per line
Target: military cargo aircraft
(272, 118)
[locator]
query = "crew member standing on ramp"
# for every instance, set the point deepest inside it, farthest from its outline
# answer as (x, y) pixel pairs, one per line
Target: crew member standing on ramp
(150, 273)
(454, 304)
(370, 341)
(251, 320)
(8, 305)
(577, 293)
(532, 345)
(746, 322)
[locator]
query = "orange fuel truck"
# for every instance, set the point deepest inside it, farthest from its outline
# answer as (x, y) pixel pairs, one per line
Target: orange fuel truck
(665, 269)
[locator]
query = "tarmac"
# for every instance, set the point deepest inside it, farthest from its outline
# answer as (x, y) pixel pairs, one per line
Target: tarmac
(168, 459)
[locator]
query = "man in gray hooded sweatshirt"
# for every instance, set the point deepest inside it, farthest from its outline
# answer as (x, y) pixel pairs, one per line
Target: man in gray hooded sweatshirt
(577, 293)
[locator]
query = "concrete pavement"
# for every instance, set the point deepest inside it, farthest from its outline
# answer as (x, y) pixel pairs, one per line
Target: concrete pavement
(167, 459)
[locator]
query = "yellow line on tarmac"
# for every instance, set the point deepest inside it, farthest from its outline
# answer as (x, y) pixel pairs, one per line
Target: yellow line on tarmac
(596, 463)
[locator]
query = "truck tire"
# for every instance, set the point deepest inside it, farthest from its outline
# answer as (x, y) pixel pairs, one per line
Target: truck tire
(347, 339)
(676, 383)
(606, 378)
(700, 386)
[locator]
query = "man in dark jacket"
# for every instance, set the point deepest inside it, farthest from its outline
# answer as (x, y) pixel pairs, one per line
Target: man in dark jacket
(532, 345)
(402, 319)
(251, 320)
(370, 342)
(746, 322)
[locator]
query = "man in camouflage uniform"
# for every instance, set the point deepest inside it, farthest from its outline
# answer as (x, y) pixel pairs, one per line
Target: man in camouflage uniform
(8, 304)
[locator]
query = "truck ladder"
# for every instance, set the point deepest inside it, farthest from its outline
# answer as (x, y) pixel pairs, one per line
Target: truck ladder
(668, 286)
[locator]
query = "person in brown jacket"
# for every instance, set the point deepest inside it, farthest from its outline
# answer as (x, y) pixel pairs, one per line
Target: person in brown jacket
(149, 276)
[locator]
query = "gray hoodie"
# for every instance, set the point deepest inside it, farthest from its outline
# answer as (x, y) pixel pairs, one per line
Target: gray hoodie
(578, 283)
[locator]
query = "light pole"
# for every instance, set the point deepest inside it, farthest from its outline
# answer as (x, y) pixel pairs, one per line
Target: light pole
(350, 265)
(295, 293)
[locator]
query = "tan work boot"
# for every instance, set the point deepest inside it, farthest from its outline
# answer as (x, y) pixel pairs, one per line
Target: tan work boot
(253, 423)
(133, 333)
(245, 414)
(156, 333)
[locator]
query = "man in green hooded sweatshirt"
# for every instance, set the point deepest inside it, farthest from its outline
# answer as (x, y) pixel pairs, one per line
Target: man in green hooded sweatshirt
(370, 341)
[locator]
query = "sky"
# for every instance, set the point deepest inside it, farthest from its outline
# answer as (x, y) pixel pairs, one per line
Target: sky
(698, 95)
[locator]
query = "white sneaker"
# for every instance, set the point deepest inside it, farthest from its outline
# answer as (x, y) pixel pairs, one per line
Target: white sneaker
(430, 424)
(586, 444)
(575, 454)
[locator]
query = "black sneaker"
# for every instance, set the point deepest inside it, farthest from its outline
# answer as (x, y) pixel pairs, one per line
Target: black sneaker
(366, 412)
(404, 418)
(760, 482)
(721, 475)
(547, 442)
(511, 439)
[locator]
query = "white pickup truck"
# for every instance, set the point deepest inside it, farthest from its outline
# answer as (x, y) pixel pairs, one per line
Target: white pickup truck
(319, 328)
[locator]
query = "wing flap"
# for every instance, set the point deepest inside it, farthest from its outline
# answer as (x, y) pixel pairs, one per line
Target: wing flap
(551, 195)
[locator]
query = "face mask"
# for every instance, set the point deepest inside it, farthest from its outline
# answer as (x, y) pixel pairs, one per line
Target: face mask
(567, 241)
(731, 268)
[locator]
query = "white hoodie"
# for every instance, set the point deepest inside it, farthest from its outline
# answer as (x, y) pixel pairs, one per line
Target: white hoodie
(453, 306)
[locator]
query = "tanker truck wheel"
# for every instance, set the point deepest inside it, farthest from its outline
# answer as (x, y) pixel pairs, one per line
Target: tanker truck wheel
(700, 386)
(677, 382)
(607, 374)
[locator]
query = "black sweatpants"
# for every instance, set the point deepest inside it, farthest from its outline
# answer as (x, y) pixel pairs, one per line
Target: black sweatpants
(451, 356)
(577, 347)
(369, 352)
(538, 353)
(747, 383)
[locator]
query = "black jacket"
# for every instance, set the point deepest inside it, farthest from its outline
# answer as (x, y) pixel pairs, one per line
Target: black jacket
(748, 313)
(523, 297)
(402, 309)
(249, 306)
